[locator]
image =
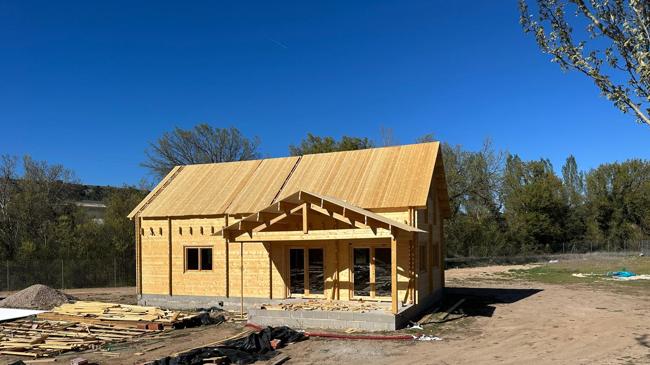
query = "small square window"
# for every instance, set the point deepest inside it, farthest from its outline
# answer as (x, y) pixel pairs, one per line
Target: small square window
(198, 259)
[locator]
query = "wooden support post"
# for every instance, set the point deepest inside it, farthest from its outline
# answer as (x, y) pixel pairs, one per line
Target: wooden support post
(441, 250)
(241, 276)
(227, 259)
(169, 253)
(270, 251)
(138, 255)
(337, 286)
(393, 274)
(305, 221)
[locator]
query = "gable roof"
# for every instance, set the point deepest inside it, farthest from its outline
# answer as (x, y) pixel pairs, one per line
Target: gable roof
(387, 177)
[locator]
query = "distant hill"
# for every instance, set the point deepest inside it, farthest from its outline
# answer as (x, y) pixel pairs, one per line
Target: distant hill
(97, 193)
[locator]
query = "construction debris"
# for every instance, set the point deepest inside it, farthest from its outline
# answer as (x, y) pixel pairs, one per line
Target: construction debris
(312, 305)
(122, 315)
(39, 338)
(36, 297)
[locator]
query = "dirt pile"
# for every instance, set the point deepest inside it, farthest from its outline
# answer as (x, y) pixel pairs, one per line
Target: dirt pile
(36, 297)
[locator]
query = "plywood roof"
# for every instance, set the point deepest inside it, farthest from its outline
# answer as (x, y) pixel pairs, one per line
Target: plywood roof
(374, 178)
(388, 177)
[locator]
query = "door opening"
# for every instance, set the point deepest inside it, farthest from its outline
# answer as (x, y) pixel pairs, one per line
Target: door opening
(306, 271)
(371, 272)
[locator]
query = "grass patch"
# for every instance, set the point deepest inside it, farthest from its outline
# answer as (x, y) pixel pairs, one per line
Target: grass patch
(562, 272)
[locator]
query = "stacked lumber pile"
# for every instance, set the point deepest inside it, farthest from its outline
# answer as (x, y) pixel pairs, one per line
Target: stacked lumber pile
(129, 316)
(39, 338)
(311, 305)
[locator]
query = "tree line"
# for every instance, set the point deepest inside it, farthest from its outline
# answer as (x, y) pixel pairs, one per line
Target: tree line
(39, 217)
(501, 204)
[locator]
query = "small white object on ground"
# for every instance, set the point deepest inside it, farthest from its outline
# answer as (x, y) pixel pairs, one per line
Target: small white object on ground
(581, 275)
(553, 261)
(13, 313)
(427, 338)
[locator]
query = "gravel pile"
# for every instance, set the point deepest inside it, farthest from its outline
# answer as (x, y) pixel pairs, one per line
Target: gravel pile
(36, 297)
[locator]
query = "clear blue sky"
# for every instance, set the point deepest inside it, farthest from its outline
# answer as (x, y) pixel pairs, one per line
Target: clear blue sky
(88, 84)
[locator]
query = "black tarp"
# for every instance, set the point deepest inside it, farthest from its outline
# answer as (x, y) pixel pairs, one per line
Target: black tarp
(247, 350)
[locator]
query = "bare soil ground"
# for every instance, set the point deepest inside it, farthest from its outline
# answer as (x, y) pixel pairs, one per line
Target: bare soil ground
(512, 318)
(514, 321)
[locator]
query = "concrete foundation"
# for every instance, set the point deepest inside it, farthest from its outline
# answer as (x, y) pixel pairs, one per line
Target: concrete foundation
(303, 319)
(377, 320)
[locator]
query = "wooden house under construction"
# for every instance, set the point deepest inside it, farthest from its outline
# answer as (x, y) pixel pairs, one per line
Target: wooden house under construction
(339, 228)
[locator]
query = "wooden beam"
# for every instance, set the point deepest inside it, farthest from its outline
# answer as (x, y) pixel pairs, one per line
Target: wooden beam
(393, 275)
(241, 277)
(138, 254)
(263, 216)
(227, 259)
(339, 217)
(324, 234)
(269, 248)
(169, 254)
(305, 219)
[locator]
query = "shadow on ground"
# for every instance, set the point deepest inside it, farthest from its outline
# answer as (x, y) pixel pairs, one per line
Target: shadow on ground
(479, 302)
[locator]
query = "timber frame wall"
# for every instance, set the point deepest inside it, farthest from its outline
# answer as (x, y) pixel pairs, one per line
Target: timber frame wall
(160, 262)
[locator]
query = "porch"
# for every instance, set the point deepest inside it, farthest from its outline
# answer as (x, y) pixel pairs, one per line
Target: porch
(326, 250)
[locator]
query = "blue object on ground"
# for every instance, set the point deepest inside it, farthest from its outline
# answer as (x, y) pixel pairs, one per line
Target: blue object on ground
(623, 274)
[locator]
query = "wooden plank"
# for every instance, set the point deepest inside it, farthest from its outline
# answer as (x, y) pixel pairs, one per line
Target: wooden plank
(393, 275)
(279, 359)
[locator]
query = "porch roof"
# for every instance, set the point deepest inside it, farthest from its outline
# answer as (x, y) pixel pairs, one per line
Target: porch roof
(301, 200)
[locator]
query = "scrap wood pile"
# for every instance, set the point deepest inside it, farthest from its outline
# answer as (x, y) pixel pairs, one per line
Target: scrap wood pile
(42, 338)
(123, 315)
(311, 305)
(245, 348)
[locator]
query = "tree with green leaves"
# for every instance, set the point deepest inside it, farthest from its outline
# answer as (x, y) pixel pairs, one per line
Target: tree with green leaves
(618, 201)
(608, 41)
(573, 182)
(201, 144)
(535, 207)
(474, 182)
(315, 144)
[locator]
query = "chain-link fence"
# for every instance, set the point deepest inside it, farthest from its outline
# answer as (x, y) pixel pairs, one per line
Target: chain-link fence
(65, 273)
(555, 251)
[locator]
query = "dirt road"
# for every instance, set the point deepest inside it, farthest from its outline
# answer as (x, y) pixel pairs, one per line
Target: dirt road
(530, 323)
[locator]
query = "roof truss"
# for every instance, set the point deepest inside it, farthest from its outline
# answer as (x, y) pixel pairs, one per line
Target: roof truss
(301, 203)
